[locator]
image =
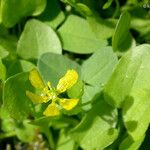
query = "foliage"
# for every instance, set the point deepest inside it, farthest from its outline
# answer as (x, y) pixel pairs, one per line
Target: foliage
(75, 74)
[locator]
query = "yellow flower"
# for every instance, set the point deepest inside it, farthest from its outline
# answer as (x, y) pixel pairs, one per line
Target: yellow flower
(49, 93)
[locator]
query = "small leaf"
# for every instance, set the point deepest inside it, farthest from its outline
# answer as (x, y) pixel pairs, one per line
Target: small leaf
(103, 28)
(131, 71)
(14, 99)
(18, 66)
(76, 91)
(53, 66)
(96, 129)
(52, 15)
(8, 45)
(122, 39)
(2, 71)
(3, 52)
(25, 131)
(90, 93)
(83, 9)
(65, 142)
(107, 4)
(19, 9)
(128, 88)
(98, 68)
(142, 26)
(7, 123)
(36, 39)
(136, 113)
(77, 39)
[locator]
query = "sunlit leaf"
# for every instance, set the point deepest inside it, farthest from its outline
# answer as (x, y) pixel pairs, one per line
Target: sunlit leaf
(36, 39)
(96, 129)
(122, 39)
(77, 39)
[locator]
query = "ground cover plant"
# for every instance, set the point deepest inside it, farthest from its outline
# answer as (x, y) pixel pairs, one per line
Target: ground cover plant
(74, 74)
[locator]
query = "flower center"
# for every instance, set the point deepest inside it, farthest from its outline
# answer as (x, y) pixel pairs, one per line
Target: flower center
(49, 93)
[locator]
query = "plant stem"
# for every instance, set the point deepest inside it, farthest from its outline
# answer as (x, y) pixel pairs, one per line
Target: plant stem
(49, 136)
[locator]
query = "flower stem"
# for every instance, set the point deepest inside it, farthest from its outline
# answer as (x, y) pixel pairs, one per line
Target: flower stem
(49, 136)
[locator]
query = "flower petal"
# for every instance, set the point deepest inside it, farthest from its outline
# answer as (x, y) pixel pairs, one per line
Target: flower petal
(67, 81)
(52, 110)
(36, 98)
(36, 80)
(68, 104)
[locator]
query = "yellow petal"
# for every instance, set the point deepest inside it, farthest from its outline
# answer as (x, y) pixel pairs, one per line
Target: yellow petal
(68, 104)
(36, 98)
(67, 81)
(36, 80)
(52, 110)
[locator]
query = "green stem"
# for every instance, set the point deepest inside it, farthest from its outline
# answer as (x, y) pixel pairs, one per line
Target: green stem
(49, 136)
(117, 9)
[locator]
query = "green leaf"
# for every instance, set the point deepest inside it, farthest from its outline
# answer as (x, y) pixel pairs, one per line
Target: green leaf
(136, 112)
(44, 123)
(77, 36)
(36, 39)
(14, 99)
(3, 52)
(107, 4)
(1, 93)
(26, 65)
(70, 2)
(131, 72)
(129, 144)
(142, 25)
(98, 68)
(96, 76)
(129, 88)
(8, 45)
(25, 131)
(103, 28)
(13, 10)
(53, 66)
(83, 9)
(52, 15)
(2, 71)
(65, 142)
(96, 130)
(76, 91)
(8, 123)
(122, 39)
(20, 66)
(89, 95)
